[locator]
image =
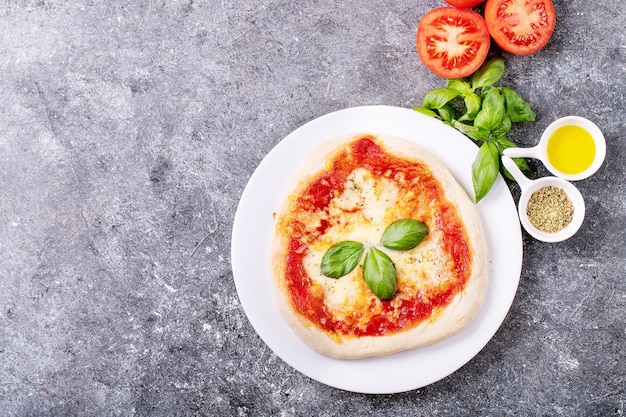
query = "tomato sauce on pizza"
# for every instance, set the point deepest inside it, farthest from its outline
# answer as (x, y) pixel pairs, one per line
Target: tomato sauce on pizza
(417, 194)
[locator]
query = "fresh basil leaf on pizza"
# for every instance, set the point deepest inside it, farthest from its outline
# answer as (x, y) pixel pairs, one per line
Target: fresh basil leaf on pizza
(377, 249)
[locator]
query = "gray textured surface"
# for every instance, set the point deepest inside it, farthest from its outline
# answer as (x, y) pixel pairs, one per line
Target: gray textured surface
(128, 131)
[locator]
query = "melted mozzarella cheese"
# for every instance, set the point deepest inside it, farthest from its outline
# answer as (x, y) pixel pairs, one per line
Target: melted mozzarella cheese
(367, 195)
(423, 267)
(361, 213)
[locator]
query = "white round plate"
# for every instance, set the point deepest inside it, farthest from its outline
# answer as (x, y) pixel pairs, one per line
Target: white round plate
(254, 226)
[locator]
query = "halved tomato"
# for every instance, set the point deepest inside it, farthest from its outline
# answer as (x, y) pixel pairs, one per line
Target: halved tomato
(464, 3)
(521, 27)
(451, 42)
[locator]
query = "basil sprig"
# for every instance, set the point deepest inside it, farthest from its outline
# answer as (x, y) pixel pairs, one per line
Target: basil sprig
(379, 271)
(484, 112)
(341, 258)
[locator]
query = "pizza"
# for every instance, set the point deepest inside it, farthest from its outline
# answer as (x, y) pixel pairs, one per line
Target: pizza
(349, 191)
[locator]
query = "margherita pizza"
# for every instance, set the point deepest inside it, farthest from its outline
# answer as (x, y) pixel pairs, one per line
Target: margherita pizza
(352, 189)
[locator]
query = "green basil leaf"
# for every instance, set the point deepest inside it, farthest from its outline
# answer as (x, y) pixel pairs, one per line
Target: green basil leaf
(462, 87)
(427, 112)
(484, 92)
(503, 129)
(447, 113)
(473, 103)
(502, 143)
(341, 258)
(488, 74)
(522, 165)
(517, 109)
(492, 112)
(438, 98)
(380, 274)
(485, 169)
(473, 132)
(404, 234)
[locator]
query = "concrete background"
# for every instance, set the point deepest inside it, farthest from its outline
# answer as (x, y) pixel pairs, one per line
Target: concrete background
(128, 131)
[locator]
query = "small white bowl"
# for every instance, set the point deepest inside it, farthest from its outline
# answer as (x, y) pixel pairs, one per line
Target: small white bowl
(528, 187)
(541, 150)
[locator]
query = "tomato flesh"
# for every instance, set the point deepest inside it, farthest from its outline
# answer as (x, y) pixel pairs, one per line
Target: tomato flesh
(464, 3)
(452, 42)
(521, 27)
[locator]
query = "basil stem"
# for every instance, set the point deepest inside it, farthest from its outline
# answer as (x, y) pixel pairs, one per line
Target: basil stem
(341, 258)
(485, 169)
(379, 274)
(403, 234)
(471, 131)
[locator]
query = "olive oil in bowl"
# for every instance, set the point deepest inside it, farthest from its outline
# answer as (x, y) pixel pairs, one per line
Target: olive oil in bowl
(571, 149)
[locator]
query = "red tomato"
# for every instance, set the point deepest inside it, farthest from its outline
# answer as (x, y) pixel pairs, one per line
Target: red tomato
(464, 3)
(520, 27)
(451, 42)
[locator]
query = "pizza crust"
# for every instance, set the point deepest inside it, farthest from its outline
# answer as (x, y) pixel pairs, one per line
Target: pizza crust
(444, 322)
